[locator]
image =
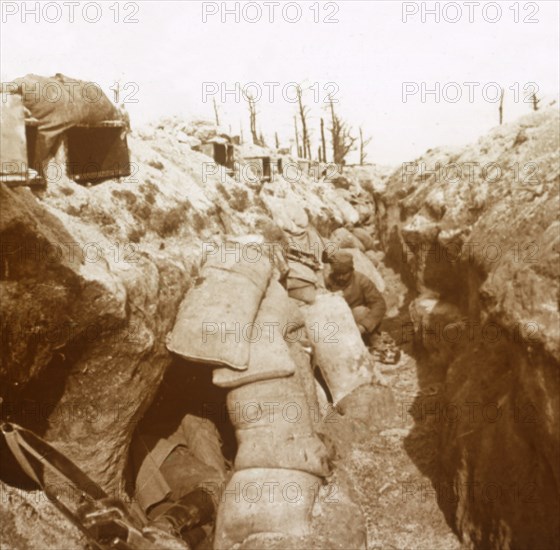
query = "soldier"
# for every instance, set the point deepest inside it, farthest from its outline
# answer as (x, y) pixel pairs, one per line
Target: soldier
(367, 303)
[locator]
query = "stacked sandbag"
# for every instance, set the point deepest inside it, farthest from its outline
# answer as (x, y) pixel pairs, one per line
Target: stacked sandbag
(269, 354)
(280, 460)
(304, 254)
(341, 355)
(349, 213)
(343, 238)
(274, 427)
(215, 319)
(365, 211)
(365, 238)
(287, 212)
(302, 282)
(265, 500)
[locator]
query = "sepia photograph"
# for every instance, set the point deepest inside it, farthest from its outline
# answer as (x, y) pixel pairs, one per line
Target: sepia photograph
(279, 275)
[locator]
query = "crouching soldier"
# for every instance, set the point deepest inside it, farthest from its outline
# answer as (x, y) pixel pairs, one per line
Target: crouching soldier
(367, 303)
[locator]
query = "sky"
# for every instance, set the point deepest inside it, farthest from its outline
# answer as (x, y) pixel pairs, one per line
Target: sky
(173, 58)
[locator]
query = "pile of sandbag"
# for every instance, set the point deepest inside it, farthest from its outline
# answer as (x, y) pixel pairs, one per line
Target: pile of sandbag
(280, 459)
(265, 364)
(216, 318)
(305, 249)
(305, 245)
(339, 351)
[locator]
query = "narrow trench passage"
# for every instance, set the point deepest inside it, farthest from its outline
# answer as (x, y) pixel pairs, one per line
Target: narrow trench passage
(392, 463)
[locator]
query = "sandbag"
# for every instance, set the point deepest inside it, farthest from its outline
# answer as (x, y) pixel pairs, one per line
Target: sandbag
(345, 239)
(365, 211)
(261, 500)
(296, 317)
(268, 449)
(216, 318)
(301, 282)
(274, 428)
(300, 351)
(297, 212)
(308, 241)
(269, 356)
(373, 257)
(342, 356)
(349, 213)
(279, 213)
(300, 272)
(364, 237)
(306, 293)
(287, 212)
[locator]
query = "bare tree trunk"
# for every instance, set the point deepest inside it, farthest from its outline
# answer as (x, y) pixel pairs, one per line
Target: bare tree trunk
(216, 114)
(276, 140)
(298, 152)
(363, 145)
(253, 118)
(343, 142)
(334, 131)
(501, 108)
(535, 102)
(362, 158)
(303, 111)
(323, 142)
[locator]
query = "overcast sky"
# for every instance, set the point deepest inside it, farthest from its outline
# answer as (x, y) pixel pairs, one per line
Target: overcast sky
(166, 53)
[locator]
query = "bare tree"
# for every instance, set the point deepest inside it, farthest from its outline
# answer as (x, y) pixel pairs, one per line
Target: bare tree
(501, 107)
(298, 152)
(363, 145)
(303, 112)
(253, 118)
(276, 140)
(323, 141)
(342, 140)
(216, 114)
(535, 101)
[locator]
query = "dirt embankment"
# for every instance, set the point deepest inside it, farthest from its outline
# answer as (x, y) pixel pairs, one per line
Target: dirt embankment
(475, 235)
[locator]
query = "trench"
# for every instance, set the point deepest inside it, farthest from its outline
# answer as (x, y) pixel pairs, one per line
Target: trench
(481, 412)
(390, 458)
(381, 457)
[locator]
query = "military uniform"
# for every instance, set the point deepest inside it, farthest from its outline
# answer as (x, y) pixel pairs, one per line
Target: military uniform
(367, 303)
